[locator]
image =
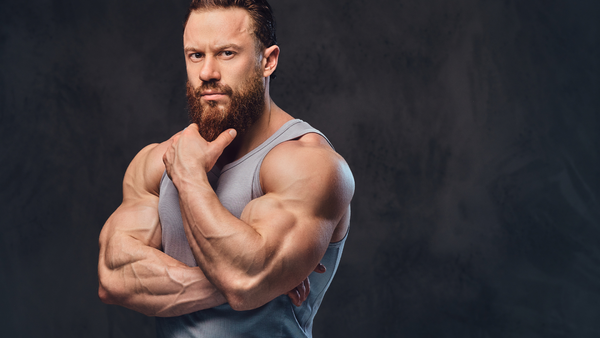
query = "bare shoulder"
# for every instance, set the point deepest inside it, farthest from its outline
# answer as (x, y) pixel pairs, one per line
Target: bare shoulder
(309, 169)
(145, 171)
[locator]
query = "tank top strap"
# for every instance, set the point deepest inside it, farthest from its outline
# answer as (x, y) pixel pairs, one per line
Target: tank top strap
(289, 131)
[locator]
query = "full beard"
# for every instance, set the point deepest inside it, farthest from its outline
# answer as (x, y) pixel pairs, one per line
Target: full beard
(245, 107)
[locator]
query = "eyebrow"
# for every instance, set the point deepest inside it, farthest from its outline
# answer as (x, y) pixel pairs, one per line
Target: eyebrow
(217, 47)
(189, 49)
(228, 46)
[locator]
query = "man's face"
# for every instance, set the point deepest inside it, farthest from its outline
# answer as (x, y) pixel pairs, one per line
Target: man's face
(225, 81)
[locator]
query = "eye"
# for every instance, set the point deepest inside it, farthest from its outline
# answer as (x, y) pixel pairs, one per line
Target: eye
(227, 53)
(195, 56)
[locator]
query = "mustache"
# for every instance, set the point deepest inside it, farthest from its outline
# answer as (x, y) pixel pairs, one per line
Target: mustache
(215, 86)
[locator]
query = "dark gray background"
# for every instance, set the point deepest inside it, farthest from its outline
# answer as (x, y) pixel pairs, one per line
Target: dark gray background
(471, 127)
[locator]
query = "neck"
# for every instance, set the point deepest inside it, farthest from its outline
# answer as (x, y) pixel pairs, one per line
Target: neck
(267, 124)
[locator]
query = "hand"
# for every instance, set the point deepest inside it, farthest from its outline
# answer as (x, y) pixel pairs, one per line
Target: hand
(189, 152)
(300, 293)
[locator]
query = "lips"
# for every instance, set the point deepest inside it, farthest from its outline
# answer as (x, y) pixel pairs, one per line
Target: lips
(213, 91)
(211, 95)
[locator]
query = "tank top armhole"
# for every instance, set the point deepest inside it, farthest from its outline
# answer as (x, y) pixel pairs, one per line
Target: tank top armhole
(256, 186)
(341, 241)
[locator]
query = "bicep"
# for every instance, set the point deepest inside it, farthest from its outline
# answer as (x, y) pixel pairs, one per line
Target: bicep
(137, 216)
(138, 220)
(296, 218)
(291, 242)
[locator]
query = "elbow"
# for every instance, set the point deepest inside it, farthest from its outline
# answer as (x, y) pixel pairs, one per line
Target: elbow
(103, 286)
(243, 295)
(104, 295)
(240, 303)
(109, 292)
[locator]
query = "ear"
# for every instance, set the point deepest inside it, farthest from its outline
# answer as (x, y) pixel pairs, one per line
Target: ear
(270, 60)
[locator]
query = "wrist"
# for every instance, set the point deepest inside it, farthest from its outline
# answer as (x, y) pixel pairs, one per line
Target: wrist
(193, 184)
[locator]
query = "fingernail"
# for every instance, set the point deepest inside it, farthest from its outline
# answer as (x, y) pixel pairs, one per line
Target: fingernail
(232, 132)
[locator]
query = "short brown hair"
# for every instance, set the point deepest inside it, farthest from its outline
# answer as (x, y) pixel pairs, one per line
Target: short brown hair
(259, 10)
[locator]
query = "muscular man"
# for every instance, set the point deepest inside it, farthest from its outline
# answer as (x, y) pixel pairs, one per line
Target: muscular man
(218, 223)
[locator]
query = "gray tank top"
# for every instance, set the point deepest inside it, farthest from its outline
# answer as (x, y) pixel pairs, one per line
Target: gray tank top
(236, 185)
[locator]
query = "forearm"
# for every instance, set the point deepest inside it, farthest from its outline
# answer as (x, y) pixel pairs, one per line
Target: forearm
(232, 254)
(217, 238)
(147, 280)
(279, 238)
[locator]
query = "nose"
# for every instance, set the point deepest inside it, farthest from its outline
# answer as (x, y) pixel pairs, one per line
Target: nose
(210, 70)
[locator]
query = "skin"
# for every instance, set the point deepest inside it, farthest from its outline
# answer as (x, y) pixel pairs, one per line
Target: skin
(132, 270)
(280, 237)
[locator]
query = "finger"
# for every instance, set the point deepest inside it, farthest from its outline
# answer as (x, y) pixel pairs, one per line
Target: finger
(302, 292)
(224, 139)
(299, 299)
(306, 289)
(172, 141)
(294, 296)
(191, 129)
(320, 268)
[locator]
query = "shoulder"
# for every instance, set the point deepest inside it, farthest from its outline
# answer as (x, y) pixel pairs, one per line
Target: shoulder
(145, 171)
(308, 167)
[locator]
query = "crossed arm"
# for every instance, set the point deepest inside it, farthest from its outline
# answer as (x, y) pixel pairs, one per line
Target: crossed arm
(280, 236)
(246, 262)
(133, 272)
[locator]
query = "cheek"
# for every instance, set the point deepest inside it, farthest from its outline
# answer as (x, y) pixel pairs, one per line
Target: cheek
(193, 74)
(242, 76)
(192, 79)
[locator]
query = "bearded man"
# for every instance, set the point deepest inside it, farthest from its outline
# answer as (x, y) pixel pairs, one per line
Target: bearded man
(221, 221)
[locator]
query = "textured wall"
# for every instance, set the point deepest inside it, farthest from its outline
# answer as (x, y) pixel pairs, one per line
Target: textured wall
(471, 127)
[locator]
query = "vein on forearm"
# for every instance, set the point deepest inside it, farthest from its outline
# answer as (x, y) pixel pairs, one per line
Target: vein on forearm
(218, 239)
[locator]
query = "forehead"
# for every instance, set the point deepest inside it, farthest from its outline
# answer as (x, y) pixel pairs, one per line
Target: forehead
(217, 26)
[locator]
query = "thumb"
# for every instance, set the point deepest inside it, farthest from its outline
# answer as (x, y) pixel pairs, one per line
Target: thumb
(224, 139)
